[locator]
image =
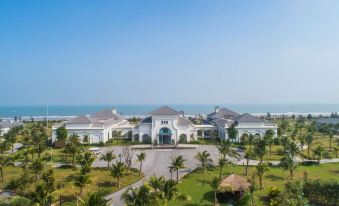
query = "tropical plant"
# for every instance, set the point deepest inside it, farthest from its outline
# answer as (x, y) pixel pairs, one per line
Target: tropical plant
(260, 149)
(86, 160)
(319, 152)
(215, 183)
(141, 196)
(4, 161)
(287, 163)
(37, 166)
(221, 164)
(81, 181)
(118, 170)
(269, 138)
(95, 199)
(141, 158)
(108, 157)
(49, 180)
(250, 140)
(40, 196)
(178, 163)
(261, 168)
(248, 155)
(72, 147)
(225, 149)
(309, 140)
(204, 159)
(169, 191)
(232, 132)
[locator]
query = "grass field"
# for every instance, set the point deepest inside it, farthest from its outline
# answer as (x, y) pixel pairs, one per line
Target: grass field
(100, 179)
(197, 186)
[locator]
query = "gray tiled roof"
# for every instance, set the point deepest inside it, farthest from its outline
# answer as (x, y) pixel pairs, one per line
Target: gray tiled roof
(182, 121)
(106, 114)
(247, 118)
(165, 110)
(223, 113)
(8, 124)
(82, 119)
(147, 120)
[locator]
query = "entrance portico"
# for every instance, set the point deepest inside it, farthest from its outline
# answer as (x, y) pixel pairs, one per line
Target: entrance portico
(165, 136)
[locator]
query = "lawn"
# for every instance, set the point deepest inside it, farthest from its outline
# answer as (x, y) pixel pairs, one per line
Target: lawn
(100, 179)
(197, 186)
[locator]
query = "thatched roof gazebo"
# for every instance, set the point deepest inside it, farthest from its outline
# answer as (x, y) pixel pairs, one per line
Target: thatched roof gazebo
(235, 182)
(233, 185)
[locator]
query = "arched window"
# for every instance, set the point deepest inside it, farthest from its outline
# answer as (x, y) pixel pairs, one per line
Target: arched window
(146, 139)
(183, 138)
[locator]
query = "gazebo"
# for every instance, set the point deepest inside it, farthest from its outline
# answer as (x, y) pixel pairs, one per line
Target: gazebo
(233, 185)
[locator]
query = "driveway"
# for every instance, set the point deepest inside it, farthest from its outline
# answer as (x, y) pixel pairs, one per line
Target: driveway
(157, 162)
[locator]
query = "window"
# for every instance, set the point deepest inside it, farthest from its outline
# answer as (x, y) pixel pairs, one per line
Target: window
(164, 122)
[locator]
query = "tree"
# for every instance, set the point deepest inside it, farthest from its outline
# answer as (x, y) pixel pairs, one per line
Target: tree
(49, 180)
(261, 168)
(287, 163)
(118, 171)
(37, 166)
(221, 164)
(203, 158)
(252, 188)
(309, 140)
(141, 196)
(10, 137)
(169, 191)
(81, 181)
(61, 133)
(260, 149)
(95, 199)
(108, 157)
(269, 134)
(4, 161)
(250, 140)
(40, 196)
(72, 147)
(141, 158)
(215, 183)
(232, 132)
(320, 152)
(248, 155)
(86, 160)
(225, 149)
(292, 149)
(331, 133)
(178, 163)
(171, 170)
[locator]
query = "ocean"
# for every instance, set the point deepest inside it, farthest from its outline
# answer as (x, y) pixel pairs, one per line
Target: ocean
(189, 109)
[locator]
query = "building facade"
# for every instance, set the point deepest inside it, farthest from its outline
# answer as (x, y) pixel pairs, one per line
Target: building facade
(164, 126)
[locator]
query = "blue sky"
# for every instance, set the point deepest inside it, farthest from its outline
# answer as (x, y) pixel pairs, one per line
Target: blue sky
(168, 52)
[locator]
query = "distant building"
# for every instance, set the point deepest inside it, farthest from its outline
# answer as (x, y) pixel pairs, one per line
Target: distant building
(331, 121)
(164, 126)
(5, 126)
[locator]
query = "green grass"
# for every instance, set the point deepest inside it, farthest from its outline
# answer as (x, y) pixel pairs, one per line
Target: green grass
(197, 186)
(100, 179)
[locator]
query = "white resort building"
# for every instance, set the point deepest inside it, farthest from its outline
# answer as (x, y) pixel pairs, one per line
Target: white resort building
(164, 126)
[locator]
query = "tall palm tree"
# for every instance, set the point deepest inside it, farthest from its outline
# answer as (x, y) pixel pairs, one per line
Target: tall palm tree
(250, 140)
(225, 149)
(261, 168)
(309, 140)
(221, 164)
(72, 146)
(86, 160)
(118, 170)
(178, 163)
(95, 199)
(37, 166)
(40, 196)
(269, 134)
(204, 158)
(260, 149)
(108, 157)
(292, 149)
(170, 192)
(156, 183)
(81, 181)
(248, 155)
(171, 170)
(320, 152)
(141, 158)
(287, 163)
(4, 161)
(215, 183)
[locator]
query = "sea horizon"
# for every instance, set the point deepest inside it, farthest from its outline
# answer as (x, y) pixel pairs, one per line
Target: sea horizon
(144, 109)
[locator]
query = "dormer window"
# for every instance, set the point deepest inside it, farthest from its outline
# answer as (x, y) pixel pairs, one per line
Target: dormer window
(164, 122)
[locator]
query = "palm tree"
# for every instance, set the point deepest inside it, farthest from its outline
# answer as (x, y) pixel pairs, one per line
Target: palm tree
(248, 155)
(331, 137)
(169, 191)
(40, 196)
(108, 157)
(171, 170)
(95, 199)
(81, 181)
(269, 134)
(320, 152)
(250, 140)
(292, 149)
(260, 149)
(72, 146)
(156, 183)
(336, 149)
(141, 196)
(287, 163)
(37, 166)
(225, 149)
(4, 161)
(215, 183)
(178, 163)
(261, 168)
(252, 188)
(204, 158)
(86, 160)
(141, 157)
(221, 164)
(309, 140)
(118, 171)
